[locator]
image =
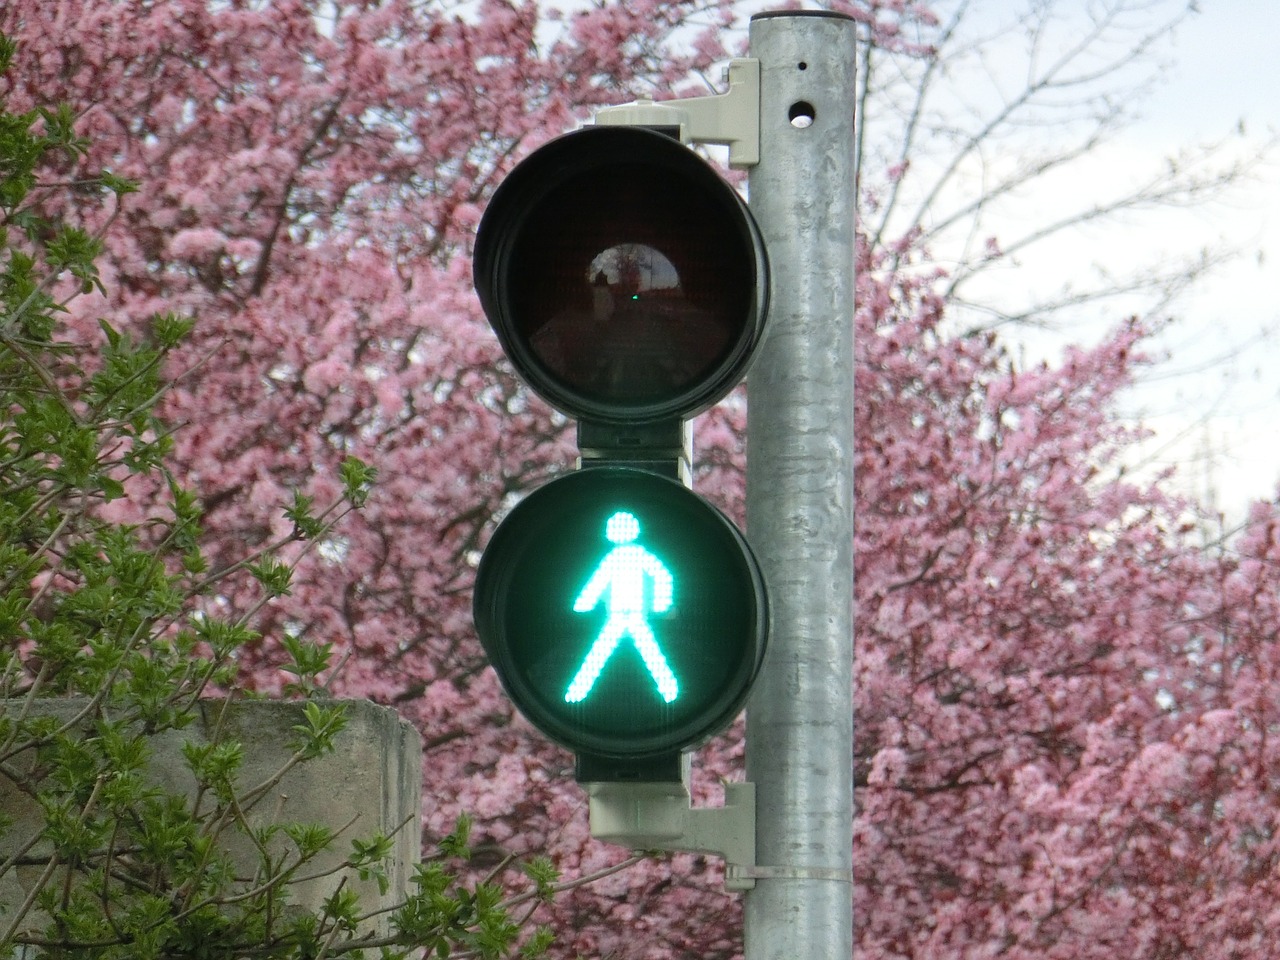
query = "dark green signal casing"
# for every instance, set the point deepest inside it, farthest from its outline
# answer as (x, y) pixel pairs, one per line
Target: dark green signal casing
(709, 640)
(629, 287)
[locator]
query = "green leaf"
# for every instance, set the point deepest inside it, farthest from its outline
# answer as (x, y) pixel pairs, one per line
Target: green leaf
(343, 908)
(323, 724)
(170, 329)
(74, 250)
(369, 857)
(357, 480)
(455, 844)
(110, 332)
(215, 765)
(8, 47)
(305, 523)
(112, 489)
(59, 129)
(307, 661)
(544, 875)
(538, 945)
(309, 838)
(273, 575)
(117, 185)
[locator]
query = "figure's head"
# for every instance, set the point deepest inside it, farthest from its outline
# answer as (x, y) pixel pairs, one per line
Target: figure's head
(622, 527)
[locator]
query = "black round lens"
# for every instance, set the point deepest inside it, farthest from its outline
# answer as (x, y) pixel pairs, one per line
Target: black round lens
(616, 306)
(624, 277)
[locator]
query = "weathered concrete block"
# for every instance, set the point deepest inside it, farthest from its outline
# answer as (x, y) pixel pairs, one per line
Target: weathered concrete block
(370, 784)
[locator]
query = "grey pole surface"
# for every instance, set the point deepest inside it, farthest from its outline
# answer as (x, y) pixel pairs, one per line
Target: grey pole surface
(800, 492)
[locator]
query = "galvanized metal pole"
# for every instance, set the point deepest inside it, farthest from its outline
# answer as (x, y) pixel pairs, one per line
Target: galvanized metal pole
(800, 492)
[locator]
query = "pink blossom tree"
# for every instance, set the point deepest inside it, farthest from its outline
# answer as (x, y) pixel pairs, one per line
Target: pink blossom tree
(1062, 706)
(1052, 751)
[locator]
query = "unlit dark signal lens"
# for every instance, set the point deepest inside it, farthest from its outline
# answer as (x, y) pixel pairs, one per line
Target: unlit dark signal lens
(624, 277)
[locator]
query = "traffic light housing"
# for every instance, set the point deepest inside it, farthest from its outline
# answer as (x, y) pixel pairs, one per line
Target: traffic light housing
(628, 285)
(626, 281)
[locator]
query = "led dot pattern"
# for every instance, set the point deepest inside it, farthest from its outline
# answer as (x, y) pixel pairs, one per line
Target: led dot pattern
(621, 577)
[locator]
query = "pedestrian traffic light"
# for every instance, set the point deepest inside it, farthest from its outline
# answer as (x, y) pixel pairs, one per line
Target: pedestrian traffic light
(624, 614)
(627, 282)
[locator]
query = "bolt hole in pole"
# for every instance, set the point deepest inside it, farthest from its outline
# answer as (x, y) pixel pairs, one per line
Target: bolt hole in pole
(801, 114)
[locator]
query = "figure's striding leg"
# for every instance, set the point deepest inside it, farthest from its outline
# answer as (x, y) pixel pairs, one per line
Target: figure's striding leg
(653, 658)
(594, 661)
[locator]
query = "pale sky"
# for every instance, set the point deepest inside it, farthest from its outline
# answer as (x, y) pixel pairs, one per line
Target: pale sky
(1227, 70)
(1214, 400)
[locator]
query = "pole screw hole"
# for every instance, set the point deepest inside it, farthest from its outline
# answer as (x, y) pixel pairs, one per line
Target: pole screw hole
(801, 114)
(802, 65)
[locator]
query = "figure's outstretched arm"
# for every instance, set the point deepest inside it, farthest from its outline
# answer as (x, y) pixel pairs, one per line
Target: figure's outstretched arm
(590, 594)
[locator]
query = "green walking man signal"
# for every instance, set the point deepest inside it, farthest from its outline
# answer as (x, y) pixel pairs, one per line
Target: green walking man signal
(625, 616)
(622, 573)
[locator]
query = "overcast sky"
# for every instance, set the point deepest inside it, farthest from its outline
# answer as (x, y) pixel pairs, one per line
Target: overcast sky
(1215, 399)
(1227, 69)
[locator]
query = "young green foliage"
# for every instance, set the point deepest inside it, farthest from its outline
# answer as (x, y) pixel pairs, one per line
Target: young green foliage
(126, 625)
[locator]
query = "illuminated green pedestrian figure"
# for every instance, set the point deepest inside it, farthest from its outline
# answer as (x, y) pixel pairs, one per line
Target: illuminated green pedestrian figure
(622, 574)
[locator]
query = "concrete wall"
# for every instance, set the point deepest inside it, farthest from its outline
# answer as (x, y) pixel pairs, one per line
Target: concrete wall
(371, 783)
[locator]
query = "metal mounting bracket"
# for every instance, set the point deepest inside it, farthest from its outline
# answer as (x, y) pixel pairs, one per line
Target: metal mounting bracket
(731, 118)
(659, 816)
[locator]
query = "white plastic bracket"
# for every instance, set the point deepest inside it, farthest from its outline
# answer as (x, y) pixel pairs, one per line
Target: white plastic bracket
(659, 816)
(731, 118)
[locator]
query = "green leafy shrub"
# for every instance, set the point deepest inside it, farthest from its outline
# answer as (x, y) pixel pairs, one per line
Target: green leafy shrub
(108, 620)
